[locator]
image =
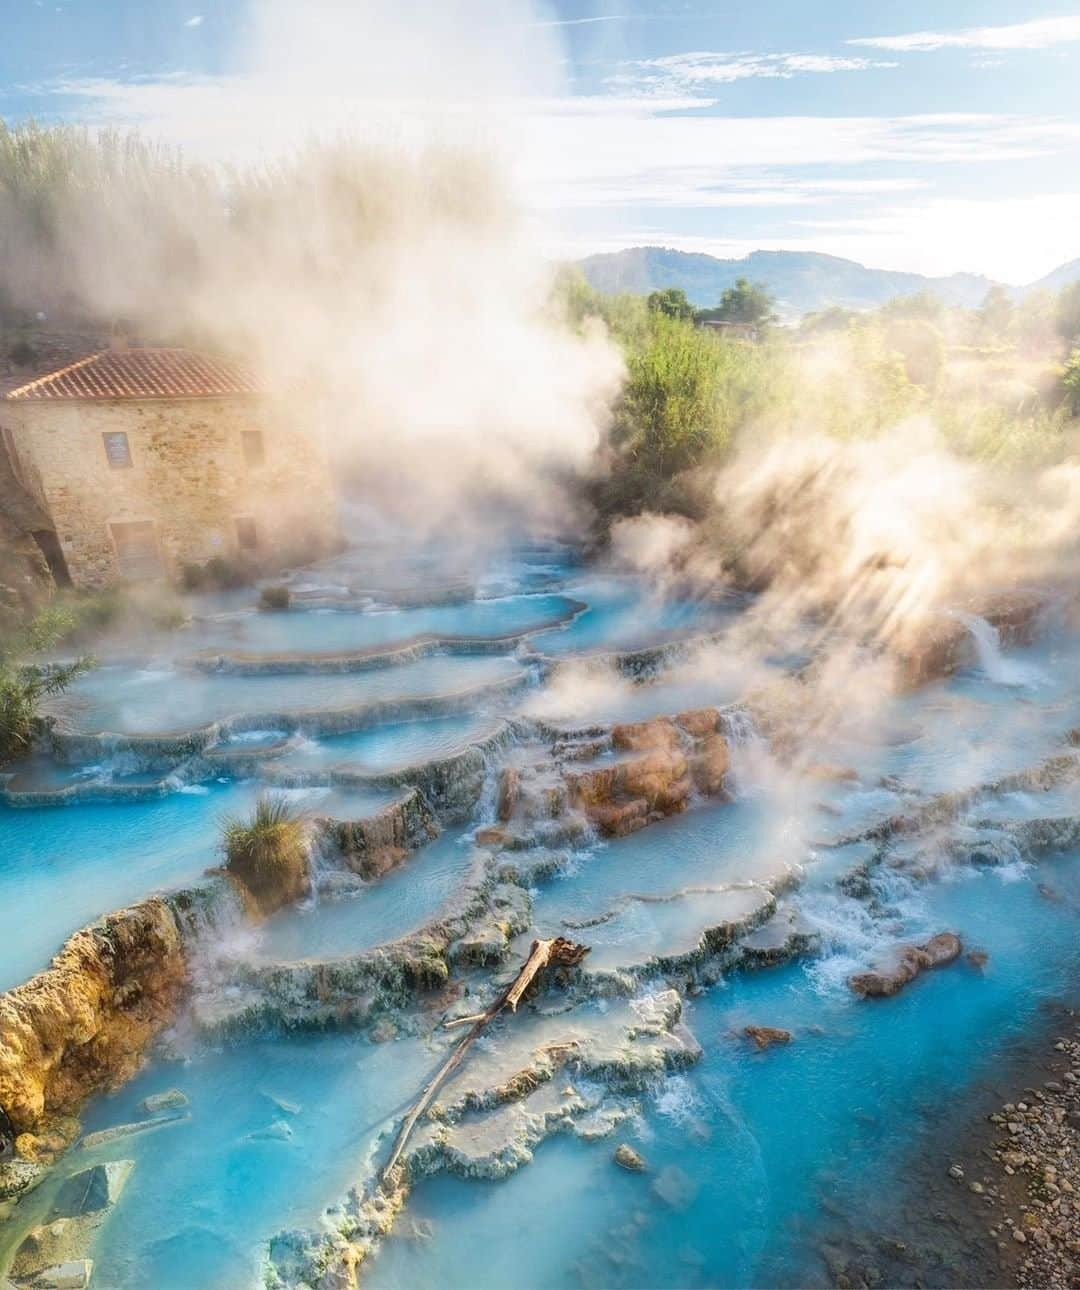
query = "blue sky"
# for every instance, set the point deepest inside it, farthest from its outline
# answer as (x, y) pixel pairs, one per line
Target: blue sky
(885, 131)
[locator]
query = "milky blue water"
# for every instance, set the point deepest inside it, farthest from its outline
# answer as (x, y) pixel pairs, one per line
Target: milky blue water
(62, 866)
(402, 901)
(765, 1142)
(390, 747)
(749, 1153)
(205, 1197)
(125, 700)
(328, 630)
(625, 614)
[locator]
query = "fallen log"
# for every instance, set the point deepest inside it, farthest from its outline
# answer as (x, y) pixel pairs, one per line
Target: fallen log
(557, 952)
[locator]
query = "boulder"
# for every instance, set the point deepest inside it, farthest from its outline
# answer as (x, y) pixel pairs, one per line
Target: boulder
(626, 1157)
(709, 765)
(92, 1191)
(171, 1100)
(766, 1036)
(907, 962)
(81, 1204)
(509, 792)
(700, 723)
(72, 1275)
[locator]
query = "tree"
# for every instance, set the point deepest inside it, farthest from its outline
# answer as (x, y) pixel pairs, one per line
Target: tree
(835, 318)
(671, 301)
(745, 302)
(1068, 313)
(1035, 323)
(920, 304)
(24, 685)
(995, 315)
(1071, 381)
(920, 346)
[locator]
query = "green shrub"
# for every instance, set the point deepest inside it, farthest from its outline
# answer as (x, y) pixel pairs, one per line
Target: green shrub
(275, 597)
(266, 853)
(22, 353)
(1070, 380)
(217, 574)
(23, 685)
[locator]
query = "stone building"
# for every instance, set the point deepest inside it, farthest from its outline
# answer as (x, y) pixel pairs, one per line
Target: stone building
(138, 461)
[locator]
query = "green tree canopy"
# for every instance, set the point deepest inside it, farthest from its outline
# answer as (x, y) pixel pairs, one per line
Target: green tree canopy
(1071, 381)
(671, 301)
(995, 315)
(919, 304)
(1068, 313)
(919, 344)
(745, 302)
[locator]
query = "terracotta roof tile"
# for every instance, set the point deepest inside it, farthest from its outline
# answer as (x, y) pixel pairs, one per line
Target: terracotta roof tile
(140, 374)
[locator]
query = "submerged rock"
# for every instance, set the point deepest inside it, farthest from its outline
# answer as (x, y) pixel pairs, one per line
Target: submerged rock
(92, 1190)
(72, 1275)
(766, 1036)
(103, 1136)
(908, 962)
(279, 1131)
(675, 1187)
(628, 1158)
(171, 1100)
(82, 1203)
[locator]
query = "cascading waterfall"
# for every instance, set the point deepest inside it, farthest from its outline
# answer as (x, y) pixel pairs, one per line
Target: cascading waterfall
(993, 663)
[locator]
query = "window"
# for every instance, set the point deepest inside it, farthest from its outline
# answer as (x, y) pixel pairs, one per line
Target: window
(137, 549)
(245, 533)
(117, 450)
(254, 452)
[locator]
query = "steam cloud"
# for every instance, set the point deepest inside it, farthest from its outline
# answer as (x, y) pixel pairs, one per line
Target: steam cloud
(373, 264)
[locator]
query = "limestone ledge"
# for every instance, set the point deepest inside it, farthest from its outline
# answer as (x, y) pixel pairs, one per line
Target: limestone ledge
(573, 1071)
(682, 932)
(150, 752)
(637, 665)
(475, 924)
(405, 651)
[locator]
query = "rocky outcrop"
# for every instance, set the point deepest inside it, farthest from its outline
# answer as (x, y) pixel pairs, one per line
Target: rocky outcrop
(657, 765)
(907, 963)
(84, 1023)
(766, 1036)
(940, 644)
(378, 843)
(81, 1205)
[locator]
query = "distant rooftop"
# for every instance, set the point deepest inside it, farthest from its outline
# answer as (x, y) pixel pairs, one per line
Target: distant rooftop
(140, 374)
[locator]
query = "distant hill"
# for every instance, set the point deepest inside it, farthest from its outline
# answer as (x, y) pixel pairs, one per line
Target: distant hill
(1056, 279)
(801, 281)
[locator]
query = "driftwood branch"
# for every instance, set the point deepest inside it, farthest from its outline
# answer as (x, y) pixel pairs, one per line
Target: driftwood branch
(557, 952)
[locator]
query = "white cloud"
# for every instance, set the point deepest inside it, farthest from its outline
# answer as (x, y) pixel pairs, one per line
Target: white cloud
(1040, 33)
(702, 68)
(196, 20)
(580, 22)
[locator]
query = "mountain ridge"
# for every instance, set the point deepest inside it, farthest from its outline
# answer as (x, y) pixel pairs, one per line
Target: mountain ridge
(801, 281)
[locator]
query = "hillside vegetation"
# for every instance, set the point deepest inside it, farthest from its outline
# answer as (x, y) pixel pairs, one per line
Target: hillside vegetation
(999, 384)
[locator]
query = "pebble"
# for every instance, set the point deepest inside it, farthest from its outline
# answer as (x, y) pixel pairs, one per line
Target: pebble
(956, 1172)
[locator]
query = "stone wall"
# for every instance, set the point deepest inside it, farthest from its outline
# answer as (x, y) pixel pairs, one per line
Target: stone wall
(188, 475)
